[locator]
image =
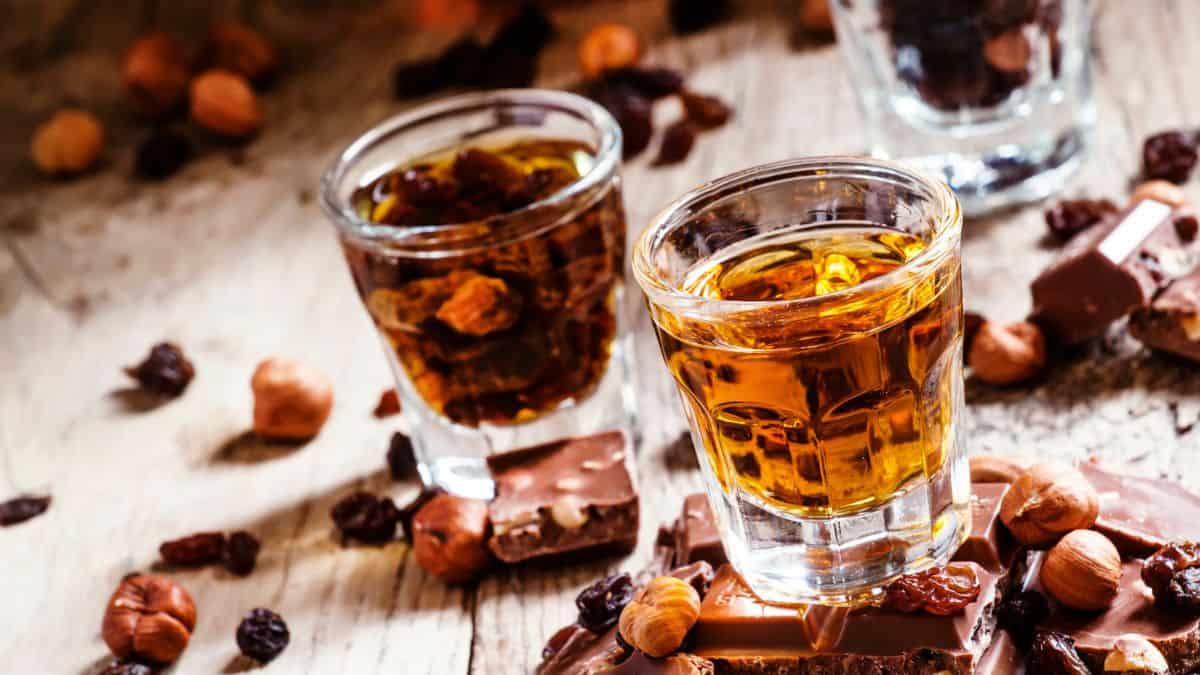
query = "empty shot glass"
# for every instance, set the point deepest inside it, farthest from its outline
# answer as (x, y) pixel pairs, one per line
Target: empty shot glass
(810, 312)
(486, 237)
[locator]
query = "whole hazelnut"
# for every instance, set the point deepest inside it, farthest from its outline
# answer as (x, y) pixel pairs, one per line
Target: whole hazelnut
(242, 50)
(449, 538)
(1007, 353)
(1082, 571)
(1135, 654)
(291, 399)
(608, 46)
(148, 618)
(815, 16)
(996, 469)
(659, 616)
(156, 72)
(1046, 502)
(69, 142)
(225, 104)
(1160, 191)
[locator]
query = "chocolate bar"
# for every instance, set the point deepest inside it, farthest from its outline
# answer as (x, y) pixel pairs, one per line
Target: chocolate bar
(696, 536)
(1111, 269)
(562, 497)
(1172, 322)
(989, 544)
(675, 664)
(1140, 515)
(1003, 657)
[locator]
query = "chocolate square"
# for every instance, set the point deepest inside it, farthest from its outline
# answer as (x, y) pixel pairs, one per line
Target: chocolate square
(696, 536)
(989, 544)
(1172, 322)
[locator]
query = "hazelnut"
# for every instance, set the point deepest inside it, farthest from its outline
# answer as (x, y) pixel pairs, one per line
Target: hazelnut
(224, 103)
(569, 511)
(1003, 354)
(608, 46)
(67, 143)
(996, 469)
(1135, 654)
(659, 616)
(291, 399)
(1160, 191)
(148, 618)
(242, 50)
(1046, 502)
(815, 16)
(156, 73)
(449, 538)
(1083, 570)
(1009, 51)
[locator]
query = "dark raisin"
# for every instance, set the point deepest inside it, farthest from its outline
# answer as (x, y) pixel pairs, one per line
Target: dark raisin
(262, 635)
(463, 63)
(747, 464)
(389, 404)
(400, 458)
(198, 549)
(727, 373)
(161, 154)
(366, 518)
(1055, 654)
(407, 513)
(689, 16)
(633, 113)
(1186, 227)
(1183, 591)
(677, 143)
(21, 509)
(938, 590)
(241, 553)
(707, 112)
(972, 322)
(528, 32)
(1070, 217)
(601, 603)
(1160, 567)
(127, 668)
(414, 79)
(1020, 613)
(165, 371)
(419, 188)
(1170, 155)
(508, 68)
(485, 175)
(651, 82)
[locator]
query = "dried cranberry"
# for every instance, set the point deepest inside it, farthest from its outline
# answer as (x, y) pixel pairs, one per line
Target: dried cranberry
(1173, 574)
(677, 143)
(262, 635)
(689, 16)
(389, 404)
(1170, 155)
(198, 549)
(601, 603)
(241, 553)
(1055, 654)
(708, 112)
(1070, 217)
(366, 518)
(938, 590)
(127, 668)
(21, 509)
(161, 154)
(1020, 613)
(1186, 226)
(400, 458)
(652, 82)
(406, 514)
(165, 372)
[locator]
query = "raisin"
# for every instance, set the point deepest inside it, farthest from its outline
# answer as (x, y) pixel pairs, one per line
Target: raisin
(21, 509)
(708, 112)
(262, 635)
(483, 174)
(1055, 654)
(241, 553)
(198, 549)
(406, 514)
(690, 16)
(1183, 591)
(402, 463)
(601, 603)
(938, 590)
(165, 371)
(1020, 613)
(414, 79)
(1186, 226)
(463, 63)
(480, 306)
(652, 82)
(1070, 217)
(127, 668)
(161, 154)
(632, 112)
(1170, 155)
(389, 404)
(366, 518)
(972, 322)
(419, 188)
(1173, 574)
(677, 143)
(528, 32)
(508, 68)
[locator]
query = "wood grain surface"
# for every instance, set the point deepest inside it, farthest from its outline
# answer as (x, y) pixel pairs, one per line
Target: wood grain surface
(232, 259)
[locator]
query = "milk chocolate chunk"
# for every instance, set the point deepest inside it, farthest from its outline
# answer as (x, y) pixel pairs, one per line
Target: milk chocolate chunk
(989, 544)
(1140, 515)
(696, 535)
(563, 497)
(1003, 657)
(1111, 269)
(675, 664)
(1172, 322)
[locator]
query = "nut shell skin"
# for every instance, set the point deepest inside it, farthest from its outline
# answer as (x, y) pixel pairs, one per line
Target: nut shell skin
(148, 618)
(67, 143)
(1083, 571)
(449, 537)
(1046, 502)
(155, 71)
(225, 104)
(659, 616)
(292, 399)
(1006, 354)
(996, 469)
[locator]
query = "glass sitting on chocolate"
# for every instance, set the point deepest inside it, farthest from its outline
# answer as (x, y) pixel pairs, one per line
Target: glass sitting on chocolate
(810, 312)
(486, 236)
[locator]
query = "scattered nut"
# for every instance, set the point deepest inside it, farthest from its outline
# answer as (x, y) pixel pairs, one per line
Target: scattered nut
(569, 511)
(1004, 354)
(815, 16)
(659, 616)
(996, 469)
(291, 399)
(69, 142)
(449, 538)
(148, 618)
(1046, 502)
(224, 103)
(1009, 51)
(1161, 191)
(608, 46)
(156, 72)
(1134, 653)
(242, 50)
(1083, 570)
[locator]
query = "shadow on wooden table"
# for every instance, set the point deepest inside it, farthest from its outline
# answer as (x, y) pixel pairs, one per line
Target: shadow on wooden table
(248, 447)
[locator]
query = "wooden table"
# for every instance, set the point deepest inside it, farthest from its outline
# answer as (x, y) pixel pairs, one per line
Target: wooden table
(233, 260)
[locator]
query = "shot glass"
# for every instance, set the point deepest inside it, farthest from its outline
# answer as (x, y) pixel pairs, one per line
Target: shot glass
(810, 312)
(486, 236)
(995, 96)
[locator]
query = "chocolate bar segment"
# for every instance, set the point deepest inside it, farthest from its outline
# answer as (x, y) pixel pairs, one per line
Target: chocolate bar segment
(989, 544)
(564, 496)
(1140, 515)
(675, 664)
(1172, 322)
(1111, 269)
(696, 536)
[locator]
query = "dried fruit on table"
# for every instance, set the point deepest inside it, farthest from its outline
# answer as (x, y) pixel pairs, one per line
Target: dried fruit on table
(449, 538)
(689, 16)
(68, 143)
(632, 112)
(364, 517)
(608, 46)
(601, 603)
(21, 509)
(292, 399)
(1170, 155)
(262, 635)
(388, 405)
(938, 590)
(161, 154)
(241, 553)
(677, 143)
(155, 70)
(224, 103)
(1055, 654)
(480, 306)
(402, 462)
(149, 618)
(653, 82)
(707, 112)
(528, 31)
(165, 371)
(1072, 216)
(1020, 613)
(241, 49)
(658, 618)
(201, 548)
(1173, 574)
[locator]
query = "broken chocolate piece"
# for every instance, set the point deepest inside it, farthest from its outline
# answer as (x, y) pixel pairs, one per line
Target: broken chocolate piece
(563, 496)
(1140, 515)
(989, 544)
(696, 536)
(1172, 322)
(675, 664)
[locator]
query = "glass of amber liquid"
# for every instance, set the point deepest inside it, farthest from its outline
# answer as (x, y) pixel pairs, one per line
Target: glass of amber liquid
(810, 312)
(486, 236)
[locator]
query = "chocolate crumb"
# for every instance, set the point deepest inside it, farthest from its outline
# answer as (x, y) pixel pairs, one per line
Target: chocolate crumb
(21, 509)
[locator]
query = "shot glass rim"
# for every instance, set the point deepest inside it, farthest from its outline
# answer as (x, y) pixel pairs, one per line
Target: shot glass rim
(946, 236)
(341, 211)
